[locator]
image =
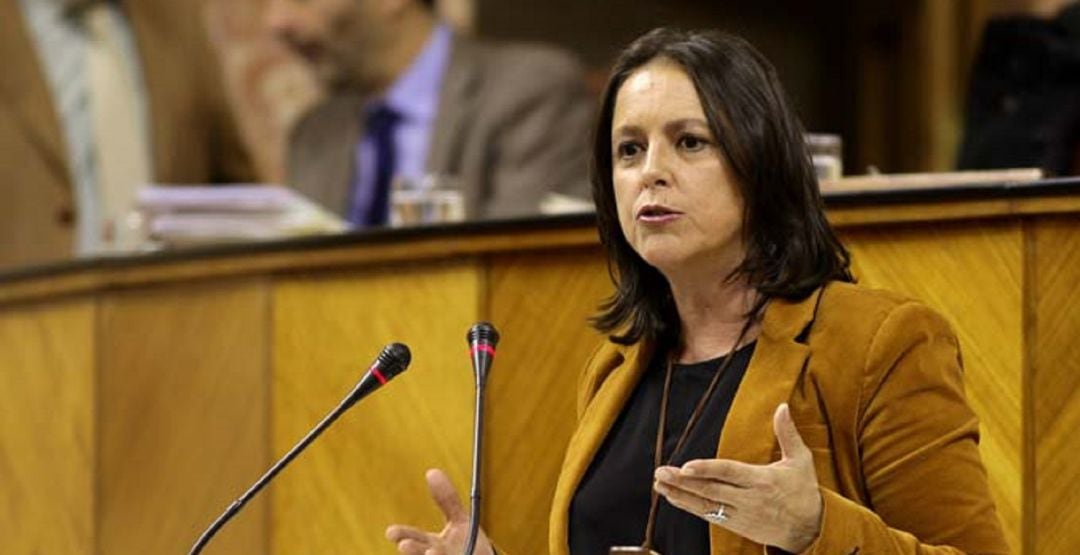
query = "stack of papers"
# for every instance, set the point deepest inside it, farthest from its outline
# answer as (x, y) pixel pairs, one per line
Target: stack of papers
(189, 215)
(554, 204)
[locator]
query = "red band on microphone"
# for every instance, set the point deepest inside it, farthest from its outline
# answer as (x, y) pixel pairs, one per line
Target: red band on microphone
(482, 347)
(378, 376)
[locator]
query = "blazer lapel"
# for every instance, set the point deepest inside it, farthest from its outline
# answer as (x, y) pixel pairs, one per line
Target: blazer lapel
(593, 427)
(324, 162)
(455, 106)
(151, 55)
(24, 90)
(770, 379)
(338, 162)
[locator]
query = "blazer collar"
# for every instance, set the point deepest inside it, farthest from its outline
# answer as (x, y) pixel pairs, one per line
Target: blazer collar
(25, 92)
(152, 53)
(619, 377)
(775, 368)
(747, 436)
(334, 157)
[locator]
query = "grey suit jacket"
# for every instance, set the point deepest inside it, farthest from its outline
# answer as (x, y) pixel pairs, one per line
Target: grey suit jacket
(513, 124)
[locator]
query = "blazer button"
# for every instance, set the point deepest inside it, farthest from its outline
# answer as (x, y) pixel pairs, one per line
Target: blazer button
(65, 216)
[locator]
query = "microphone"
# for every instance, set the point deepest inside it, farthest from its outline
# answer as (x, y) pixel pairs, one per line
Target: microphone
(482, 339)
(393, 360)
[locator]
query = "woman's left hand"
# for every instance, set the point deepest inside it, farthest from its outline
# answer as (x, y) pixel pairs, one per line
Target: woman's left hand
(777, 504)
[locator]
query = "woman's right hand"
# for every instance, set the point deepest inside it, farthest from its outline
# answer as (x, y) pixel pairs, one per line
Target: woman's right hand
(451, 540)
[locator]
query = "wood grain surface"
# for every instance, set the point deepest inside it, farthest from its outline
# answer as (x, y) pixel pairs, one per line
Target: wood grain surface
(541, 304)
(138, 400)
(368, 470)
(47, 428)
(287, 257)
(1055, 388)
(182, 416)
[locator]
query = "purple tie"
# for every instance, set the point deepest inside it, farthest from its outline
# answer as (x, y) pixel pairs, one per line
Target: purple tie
(381, 123)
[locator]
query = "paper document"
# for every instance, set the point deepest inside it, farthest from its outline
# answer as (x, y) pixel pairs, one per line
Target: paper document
(180, 215)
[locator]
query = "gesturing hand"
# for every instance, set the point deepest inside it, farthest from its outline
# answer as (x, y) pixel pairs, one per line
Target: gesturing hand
(777, 504)
(451, 540)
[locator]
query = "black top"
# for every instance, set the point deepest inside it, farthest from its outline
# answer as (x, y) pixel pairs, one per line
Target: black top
(611, 506)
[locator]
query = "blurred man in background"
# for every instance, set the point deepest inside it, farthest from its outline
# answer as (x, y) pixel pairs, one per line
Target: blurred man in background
(408, 99)
(1024, 101)
(97, 98)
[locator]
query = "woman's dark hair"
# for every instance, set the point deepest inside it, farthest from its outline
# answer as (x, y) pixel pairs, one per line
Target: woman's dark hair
(791, 250)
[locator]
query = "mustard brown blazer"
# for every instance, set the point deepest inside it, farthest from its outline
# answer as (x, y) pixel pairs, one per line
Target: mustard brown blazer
(193, 132)
(875, 387)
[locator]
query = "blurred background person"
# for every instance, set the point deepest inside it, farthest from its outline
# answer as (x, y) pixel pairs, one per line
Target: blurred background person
(269, 87)
(99, 97)
(407, 98)
(1023, 106)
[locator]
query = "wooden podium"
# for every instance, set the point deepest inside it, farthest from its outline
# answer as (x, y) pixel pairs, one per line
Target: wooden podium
(138, 397)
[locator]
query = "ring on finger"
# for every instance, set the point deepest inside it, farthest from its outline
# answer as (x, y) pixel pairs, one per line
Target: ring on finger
(718, 515)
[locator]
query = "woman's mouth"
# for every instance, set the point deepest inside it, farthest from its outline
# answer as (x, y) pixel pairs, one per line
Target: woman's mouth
(657, 213)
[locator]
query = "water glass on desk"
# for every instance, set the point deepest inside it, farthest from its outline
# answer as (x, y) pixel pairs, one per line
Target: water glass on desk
(826, 153)
(431, 200)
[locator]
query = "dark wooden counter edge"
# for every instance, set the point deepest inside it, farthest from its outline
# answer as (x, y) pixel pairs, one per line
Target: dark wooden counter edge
(496, 236)
(867, 198)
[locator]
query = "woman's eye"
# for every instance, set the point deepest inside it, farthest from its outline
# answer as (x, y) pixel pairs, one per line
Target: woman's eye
(628, 150)
(690, 142)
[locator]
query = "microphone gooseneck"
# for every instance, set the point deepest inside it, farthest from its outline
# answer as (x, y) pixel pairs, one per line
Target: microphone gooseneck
(393, 360)
(482, 339)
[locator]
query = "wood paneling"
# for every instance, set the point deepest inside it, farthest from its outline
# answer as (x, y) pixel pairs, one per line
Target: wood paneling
(47, 429)
(137, 400)
(381, 247)
(540, 303)
(1055, 355)
(971, 273)
(368, 470)
(414, 246)
(183, 416)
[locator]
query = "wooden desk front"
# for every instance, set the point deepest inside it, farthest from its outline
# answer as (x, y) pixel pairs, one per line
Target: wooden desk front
(139, 397)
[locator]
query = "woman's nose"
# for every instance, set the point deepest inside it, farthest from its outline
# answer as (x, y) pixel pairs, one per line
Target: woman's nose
(656, 171)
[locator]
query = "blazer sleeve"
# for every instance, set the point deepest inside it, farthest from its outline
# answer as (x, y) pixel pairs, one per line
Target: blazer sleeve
(918, 444)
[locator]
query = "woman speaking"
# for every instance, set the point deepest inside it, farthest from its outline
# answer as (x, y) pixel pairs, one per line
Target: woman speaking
(749, 394)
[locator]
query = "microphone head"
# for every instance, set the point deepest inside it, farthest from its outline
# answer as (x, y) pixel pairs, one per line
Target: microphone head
(393, 360)
(482, 333)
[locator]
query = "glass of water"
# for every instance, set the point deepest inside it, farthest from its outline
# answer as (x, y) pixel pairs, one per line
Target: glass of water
(431, 200)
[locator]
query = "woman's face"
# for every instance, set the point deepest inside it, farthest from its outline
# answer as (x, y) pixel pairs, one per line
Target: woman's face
(678, 203)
